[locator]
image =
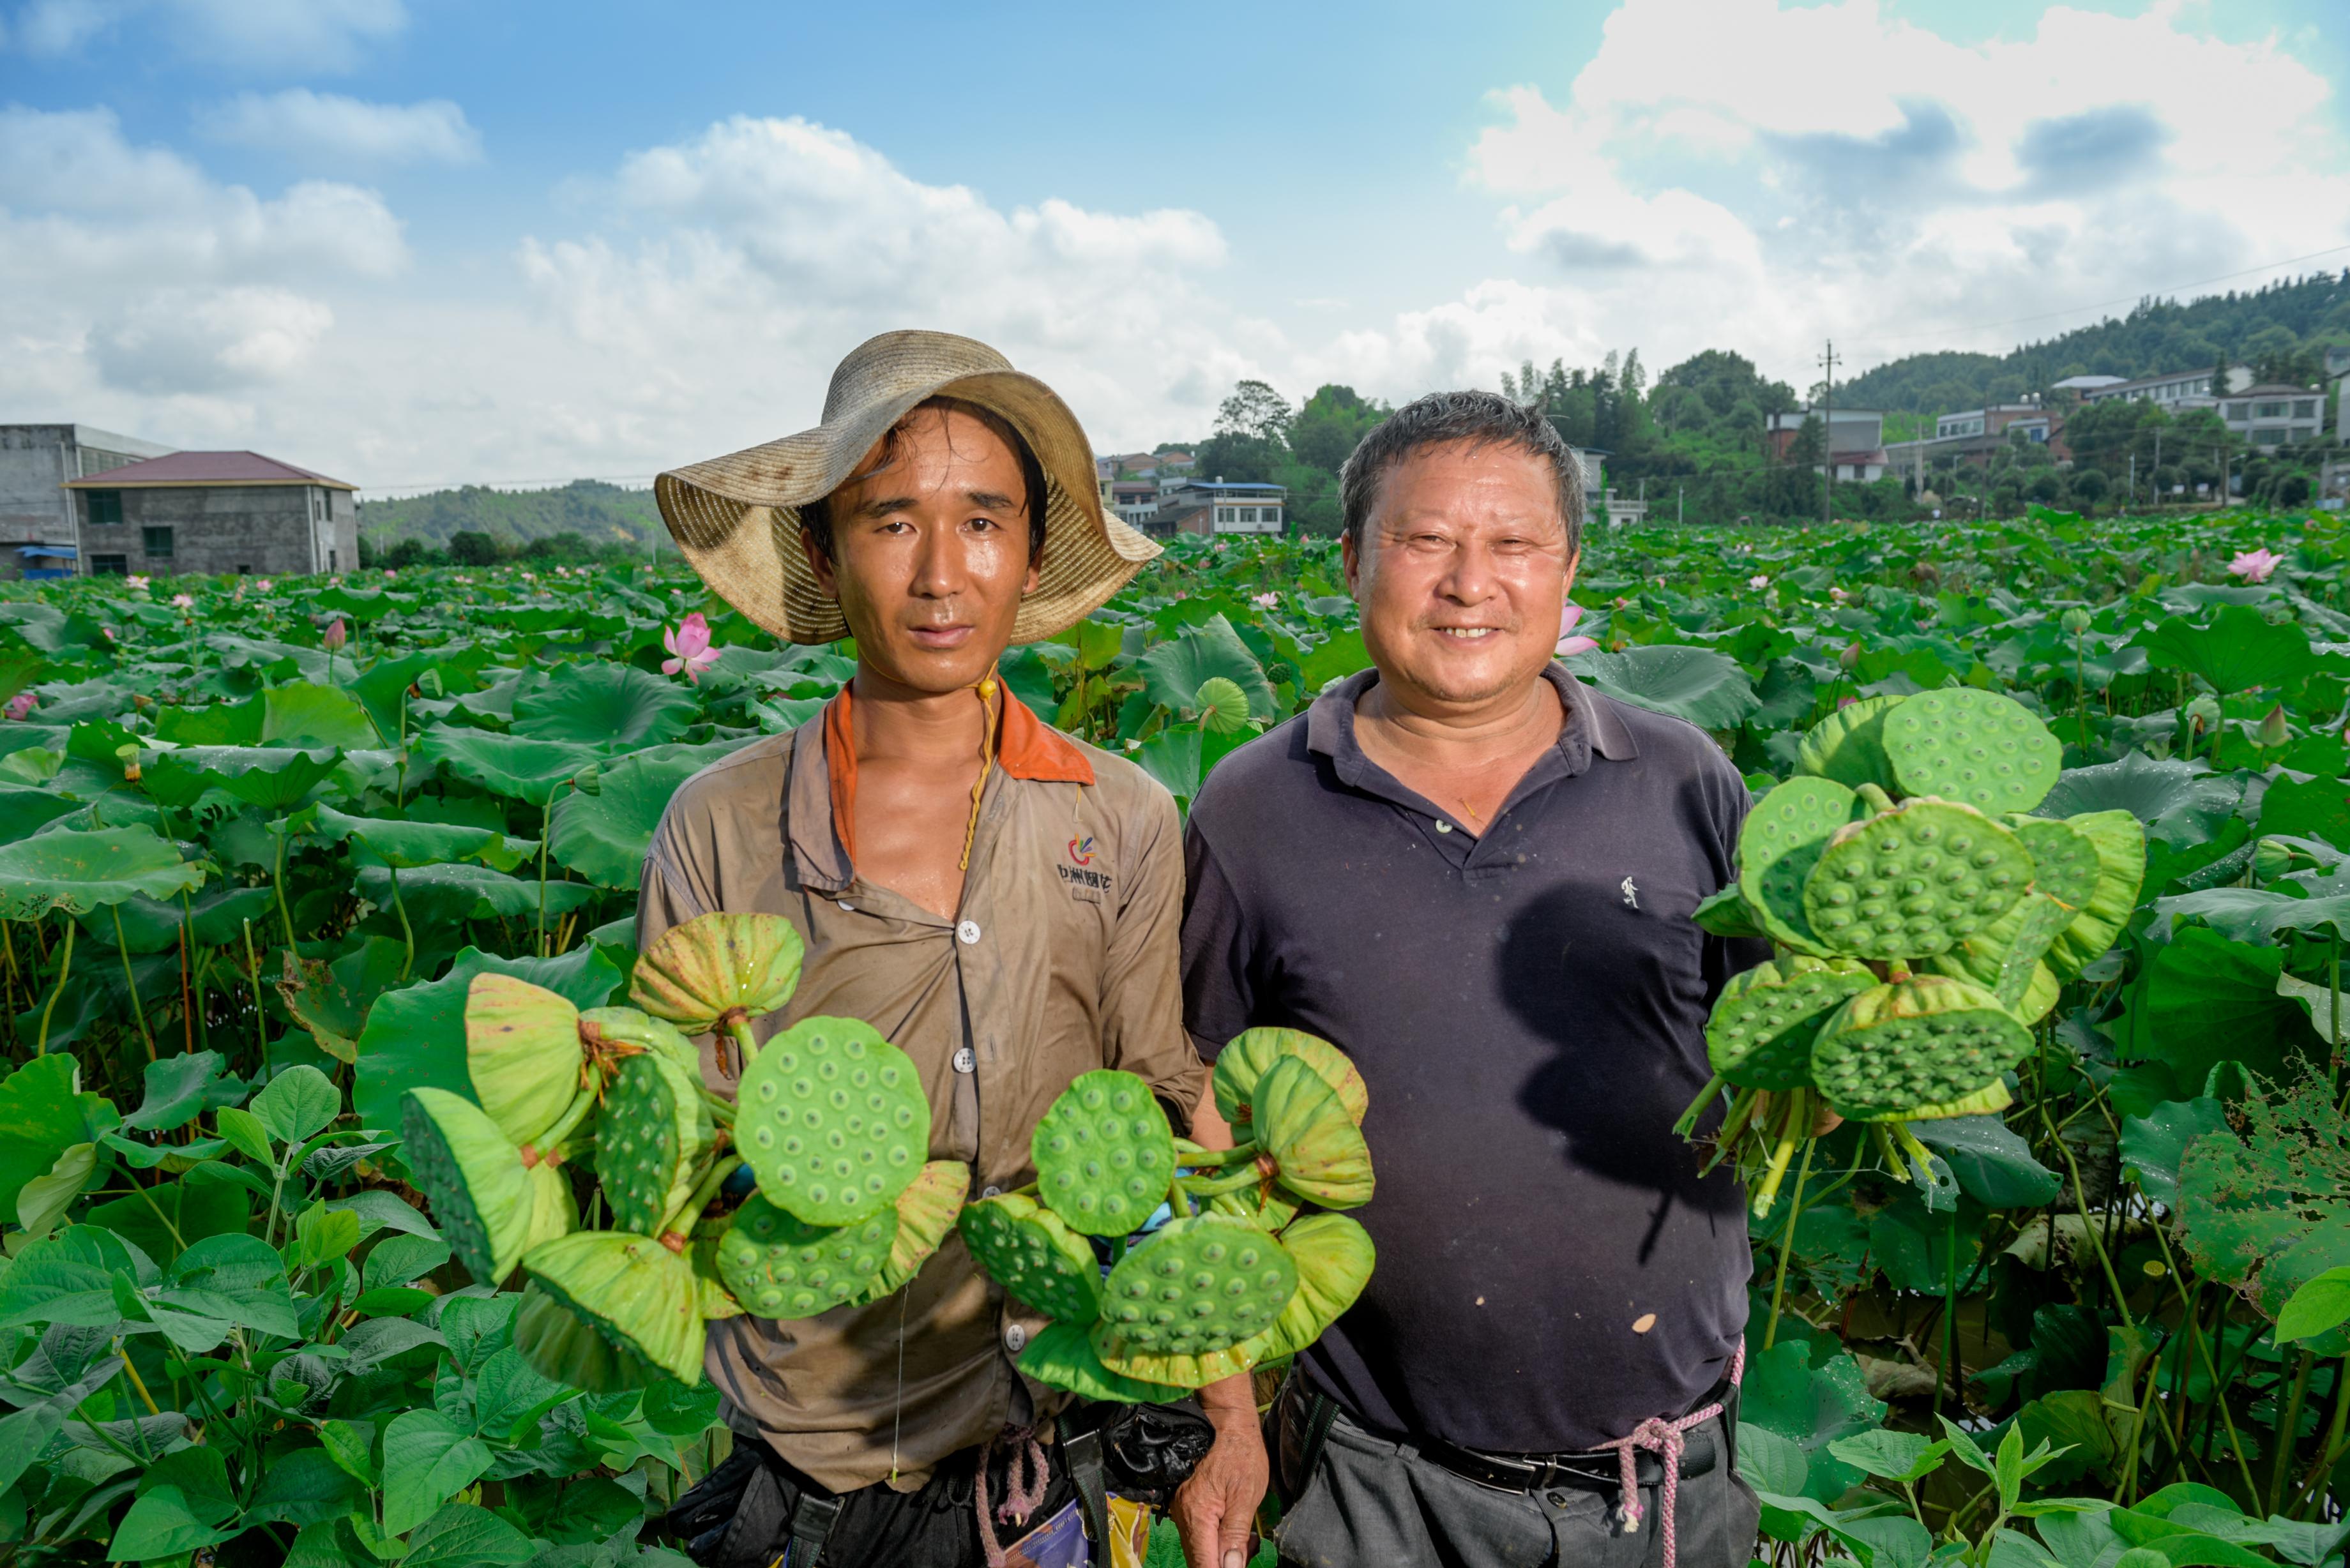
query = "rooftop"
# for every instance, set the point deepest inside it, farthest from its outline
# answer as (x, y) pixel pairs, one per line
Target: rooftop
(2275, 390)
(206, 468)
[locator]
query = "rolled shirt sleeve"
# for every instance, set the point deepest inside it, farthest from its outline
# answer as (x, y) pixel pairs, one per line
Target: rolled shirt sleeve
(1141, 983)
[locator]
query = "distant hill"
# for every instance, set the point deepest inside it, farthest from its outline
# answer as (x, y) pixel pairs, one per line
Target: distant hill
(2158, 337)
(599, 513)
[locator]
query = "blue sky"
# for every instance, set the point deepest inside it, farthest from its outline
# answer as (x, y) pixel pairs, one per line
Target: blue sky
(415, 241)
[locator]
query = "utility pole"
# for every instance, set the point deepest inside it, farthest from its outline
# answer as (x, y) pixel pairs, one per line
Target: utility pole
(1827, 433)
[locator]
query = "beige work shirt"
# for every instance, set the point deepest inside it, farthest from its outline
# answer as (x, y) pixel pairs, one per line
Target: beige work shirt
(1063, 957)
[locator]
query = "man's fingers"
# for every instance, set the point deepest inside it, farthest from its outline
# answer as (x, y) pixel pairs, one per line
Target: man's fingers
(1234, 1535)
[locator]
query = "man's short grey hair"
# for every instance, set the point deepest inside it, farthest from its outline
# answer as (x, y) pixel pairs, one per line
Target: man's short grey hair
(1440, 419)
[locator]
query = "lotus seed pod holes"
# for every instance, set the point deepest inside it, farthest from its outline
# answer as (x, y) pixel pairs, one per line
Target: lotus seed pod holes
(471, 1176)
(1920, 1043)
(1197, 1285)
(1981, 748)
(832, 1119)
(2063, 863)
(1760, 1032)
(1104, 1156)
(779, 1265)
(1783, 839)
(639, 1150)
(1915, 880)
(1035, 1257)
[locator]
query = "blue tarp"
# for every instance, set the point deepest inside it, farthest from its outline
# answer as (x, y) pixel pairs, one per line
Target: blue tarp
(63, 551)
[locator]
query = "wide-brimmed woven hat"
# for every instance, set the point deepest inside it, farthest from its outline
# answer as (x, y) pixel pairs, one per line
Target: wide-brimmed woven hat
(738, 517)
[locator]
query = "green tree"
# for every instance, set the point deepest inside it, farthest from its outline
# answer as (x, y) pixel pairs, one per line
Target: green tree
(1810, 446)
(469, 547)
(1333, 422)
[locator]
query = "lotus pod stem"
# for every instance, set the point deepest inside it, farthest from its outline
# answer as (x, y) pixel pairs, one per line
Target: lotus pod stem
(1795, 1128)
(1895, 1166)
(1908, 1142)
(1191, 1157)
(1705, 1097)
(1742, 1106)
(1876, 796)
(548, 1147)
(678, 1222)
(736, 1023)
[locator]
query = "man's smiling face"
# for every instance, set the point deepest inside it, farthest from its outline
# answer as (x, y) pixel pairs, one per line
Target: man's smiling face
(929, 551)
(1462, 573)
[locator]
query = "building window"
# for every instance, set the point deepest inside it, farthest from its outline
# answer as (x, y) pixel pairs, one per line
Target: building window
(2269, 436)
(157, 542)
(2305, 409)
(2235, 411)
(2268, 410)
(105, 508)
(1273, 517)
(1224, 514)
(110, 565)
(1248, 513)
(245, 569)
(331, 561)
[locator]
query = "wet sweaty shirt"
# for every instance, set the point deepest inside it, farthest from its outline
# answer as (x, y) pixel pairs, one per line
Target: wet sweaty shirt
(1061, 958)
(1527, 1009)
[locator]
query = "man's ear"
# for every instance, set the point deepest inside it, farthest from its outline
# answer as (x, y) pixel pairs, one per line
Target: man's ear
(820, 564)
(1350, 559)
(1035, 577)
(1573, 562)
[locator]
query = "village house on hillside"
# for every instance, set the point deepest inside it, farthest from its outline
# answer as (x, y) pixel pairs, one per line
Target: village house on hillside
(216, 512)
(39, 519)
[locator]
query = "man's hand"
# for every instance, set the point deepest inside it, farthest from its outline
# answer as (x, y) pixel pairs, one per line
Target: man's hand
(1215, 1510)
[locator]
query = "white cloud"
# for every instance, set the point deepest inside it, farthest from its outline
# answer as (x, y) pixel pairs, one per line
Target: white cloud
(317, 127)
(179, 340)
(246, 35)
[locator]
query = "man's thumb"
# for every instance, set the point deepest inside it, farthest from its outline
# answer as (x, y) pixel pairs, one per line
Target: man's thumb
(1233, 1536)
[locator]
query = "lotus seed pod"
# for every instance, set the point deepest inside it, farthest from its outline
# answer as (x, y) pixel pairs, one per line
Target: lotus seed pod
(1915, 1042)
(1726, 914)
(1247, 1054)
(1334, 1257)
(563, 1348)
(1191, 1288)
(1104, 1153)
(695, 974)
(638, 1295)
(832, 1119)
(1979, 748)
(2004, 957)
(2120, 842)
(521, 1052)
(1027, 1250)
(473, 1179)
(1760, 1032)
(1063, 1357)
(2064, 862)
(926, 1212)
(2074, 621)
(1916, 880)
(549, 1205)
(612, 1034)
(778, 1265)
(1318, 1151)
(1783, 839)
(651, 1133)
(1848, 745)
(1222, 706)
(1988, 1101)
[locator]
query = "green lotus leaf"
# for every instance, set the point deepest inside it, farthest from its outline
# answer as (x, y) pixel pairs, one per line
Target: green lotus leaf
(651, 1135)
(695, 974)
(1703, 686)
(611, 1034)
(1759, 1033)
(926, 1212)
(1247, 1054)
(632, 1290)
(1920, 1042)
(275, 778)
(81, 871)
(1334, 1257)
(1981, 749)
(1063, 1356)
(1030, 1251)
(1104, 1156)
(513, 766)
(1782, 840)
(2119, 840)
(832, 1120)
(778, 1265)
(474, 1178)
(521, 1052)
(1318, 1151)
(1848, 745)
(2004, 957)
(1915, 880)
(612, 707)
(566, 1348)
(1193, 1288)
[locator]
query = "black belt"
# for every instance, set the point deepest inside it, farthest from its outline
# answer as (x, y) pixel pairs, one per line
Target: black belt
(1599, 1470)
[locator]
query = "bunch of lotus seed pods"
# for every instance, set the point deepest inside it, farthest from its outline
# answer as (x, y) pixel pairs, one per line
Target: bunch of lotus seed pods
(1926, 920)
(1165, 1266)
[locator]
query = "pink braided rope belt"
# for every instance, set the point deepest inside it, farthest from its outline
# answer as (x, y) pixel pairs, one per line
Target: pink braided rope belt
(1665, 1439)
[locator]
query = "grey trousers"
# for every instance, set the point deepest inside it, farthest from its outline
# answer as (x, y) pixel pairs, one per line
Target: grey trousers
(1373, 1503)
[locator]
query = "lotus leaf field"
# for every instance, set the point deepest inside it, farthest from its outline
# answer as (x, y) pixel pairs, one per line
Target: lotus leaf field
(2052, 837)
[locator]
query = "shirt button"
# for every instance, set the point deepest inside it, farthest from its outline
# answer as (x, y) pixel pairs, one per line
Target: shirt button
(990, 1192)
(968, 933)
(964, 1060)
(1440, 827)
(1016, 1338)
(848, 905)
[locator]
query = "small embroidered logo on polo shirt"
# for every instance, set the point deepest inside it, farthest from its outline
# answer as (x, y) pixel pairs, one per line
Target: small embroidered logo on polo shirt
(1081, 849)
(1631, 894)
(1079, 873)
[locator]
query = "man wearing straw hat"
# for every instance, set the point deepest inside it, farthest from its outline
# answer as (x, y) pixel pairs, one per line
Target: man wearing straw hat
(1001, 901)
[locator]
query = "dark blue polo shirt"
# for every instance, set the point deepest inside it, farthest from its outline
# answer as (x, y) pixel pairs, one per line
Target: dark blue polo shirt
(1528, 1010)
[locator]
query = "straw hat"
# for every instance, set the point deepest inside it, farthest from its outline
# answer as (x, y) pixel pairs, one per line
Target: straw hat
(738, 517)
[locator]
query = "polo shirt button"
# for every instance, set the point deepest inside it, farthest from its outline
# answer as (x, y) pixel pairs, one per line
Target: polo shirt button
(968, 933)
(1440, 827)
(964, 1060)
(1016, 1338)
(990, 1192)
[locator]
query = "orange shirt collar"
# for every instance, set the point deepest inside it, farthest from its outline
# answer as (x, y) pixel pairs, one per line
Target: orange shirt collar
(1026, 748)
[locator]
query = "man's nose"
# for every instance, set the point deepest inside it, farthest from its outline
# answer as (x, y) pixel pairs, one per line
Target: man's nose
(940, 570)
(1469, 575)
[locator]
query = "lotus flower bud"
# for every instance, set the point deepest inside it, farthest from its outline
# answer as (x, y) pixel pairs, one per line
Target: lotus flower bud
(1223, 706)
(590, 780)
(698, 975)
(2274, 731)
(1850, 658)
(2203, 713)
(2074, 621)
(2270, 860)
(428, 684)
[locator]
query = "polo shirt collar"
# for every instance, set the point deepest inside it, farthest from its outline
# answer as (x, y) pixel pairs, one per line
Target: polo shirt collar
(1593, 726)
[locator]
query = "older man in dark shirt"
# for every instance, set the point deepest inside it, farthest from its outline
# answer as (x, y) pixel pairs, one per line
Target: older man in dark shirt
(1476, 876)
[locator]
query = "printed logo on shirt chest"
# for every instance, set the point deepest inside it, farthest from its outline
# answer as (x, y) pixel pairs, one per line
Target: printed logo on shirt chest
(1079, 874)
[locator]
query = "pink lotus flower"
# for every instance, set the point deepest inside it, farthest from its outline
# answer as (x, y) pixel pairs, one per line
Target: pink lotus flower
(263, 584)
(1568, 640)
(135, 582)
(2254, 566)
(20, 704)
(1839, 594)
(1758, 580)
(334, 636)
(690, 641)
(182, 601)
(1264, 601)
